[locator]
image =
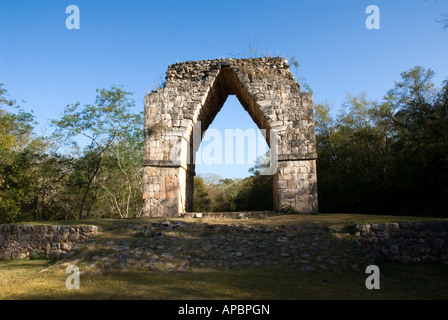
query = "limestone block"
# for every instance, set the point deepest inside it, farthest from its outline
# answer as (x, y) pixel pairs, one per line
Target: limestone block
(195, 91)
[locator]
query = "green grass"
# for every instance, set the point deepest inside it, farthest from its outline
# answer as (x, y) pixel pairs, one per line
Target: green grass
(320, 219)
(23, 279)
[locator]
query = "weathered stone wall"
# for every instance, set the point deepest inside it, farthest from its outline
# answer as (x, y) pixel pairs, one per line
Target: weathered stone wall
(193, 94)
(297, 186)
(25, 241)
(419, 241)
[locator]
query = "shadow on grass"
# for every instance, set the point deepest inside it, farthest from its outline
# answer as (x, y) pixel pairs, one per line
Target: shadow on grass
(246, 285)
(399, 281)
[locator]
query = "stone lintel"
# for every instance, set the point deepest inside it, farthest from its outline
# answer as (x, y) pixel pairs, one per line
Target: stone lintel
(292, 157)
(166, 164)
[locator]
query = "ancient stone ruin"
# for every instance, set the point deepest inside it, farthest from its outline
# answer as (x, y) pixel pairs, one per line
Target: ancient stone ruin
(406, 241)
(31, 241)
(177, 115)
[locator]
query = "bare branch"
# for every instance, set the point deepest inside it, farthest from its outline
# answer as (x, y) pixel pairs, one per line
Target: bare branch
(443, 20)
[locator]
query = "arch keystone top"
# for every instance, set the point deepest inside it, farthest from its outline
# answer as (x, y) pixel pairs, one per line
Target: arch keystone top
(177, 115)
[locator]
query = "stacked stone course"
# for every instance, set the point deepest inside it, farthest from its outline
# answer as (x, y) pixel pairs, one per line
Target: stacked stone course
(26, 241)
(196, 91)
(406, 242)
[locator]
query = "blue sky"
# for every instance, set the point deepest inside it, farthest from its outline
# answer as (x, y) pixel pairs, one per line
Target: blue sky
(132, 42)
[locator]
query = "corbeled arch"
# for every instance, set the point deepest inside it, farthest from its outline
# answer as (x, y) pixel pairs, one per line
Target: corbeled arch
(194, 93)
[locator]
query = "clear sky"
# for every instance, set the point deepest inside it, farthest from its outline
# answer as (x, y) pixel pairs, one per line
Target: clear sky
(132, 42)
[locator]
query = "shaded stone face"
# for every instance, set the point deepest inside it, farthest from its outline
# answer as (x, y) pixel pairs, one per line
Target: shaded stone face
(54, 242)
(406, 241)
(177, 115)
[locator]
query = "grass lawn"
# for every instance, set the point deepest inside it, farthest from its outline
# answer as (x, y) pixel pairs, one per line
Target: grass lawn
(23, 280)
(40, 279)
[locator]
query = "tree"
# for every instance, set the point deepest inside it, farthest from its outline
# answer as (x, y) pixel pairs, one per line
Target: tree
(256, 192)
(444, 21)
(49, 175)
(16, 128)
(201, 201)
(18, 154)
(387, 157)
(212, 193)
(294, 63)
(352, 156)
(420, 123)
(121, 175)
(102, 124)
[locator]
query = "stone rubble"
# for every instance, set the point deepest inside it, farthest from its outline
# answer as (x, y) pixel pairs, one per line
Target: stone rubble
(202, 244)
(405, 242)
(192, 246)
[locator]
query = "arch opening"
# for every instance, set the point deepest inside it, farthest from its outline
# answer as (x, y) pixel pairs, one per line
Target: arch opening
(228, 164)
(226, 85)
(177, 115)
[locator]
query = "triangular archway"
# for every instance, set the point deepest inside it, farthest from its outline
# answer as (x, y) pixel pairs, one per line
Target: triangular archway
(195, 91)
(231, 145)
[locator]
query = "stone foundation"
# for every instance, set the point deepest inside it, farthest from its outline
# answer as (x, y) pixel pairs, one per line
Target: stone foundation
(419, 241)
(28, 241)
(297, 185)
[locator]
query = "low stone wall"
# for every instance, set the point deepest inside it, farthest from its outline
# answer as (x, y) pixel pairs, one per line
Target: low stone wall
(230, 215)
(30, 241)
(419, 241)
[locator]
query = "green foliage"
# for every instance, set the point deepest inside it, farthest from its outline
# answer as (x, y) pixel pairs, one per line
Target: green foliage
(111, 131)
(38, 255)
(103, 179)
(19, 151)
(294, 63)
(288, 210)
(160, 84)
(348, 157)
(386, 157)
(156, 129)
(254, 193)
(201, 201)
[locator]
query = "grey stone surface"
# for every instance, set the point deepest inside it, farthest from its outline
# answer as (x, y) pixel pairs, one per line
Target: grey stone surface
(28, 241)
(193, 94)
(203, 245)
(406, 242)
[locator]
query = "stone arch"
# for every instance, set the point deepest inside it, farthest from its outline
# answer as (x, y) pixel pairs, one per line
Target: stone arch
(194, 92)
